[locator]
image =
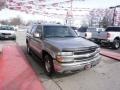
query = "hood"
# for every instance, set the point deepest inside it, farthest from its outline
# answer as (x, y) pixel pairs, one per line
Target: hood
(7, 31)
(70, 43)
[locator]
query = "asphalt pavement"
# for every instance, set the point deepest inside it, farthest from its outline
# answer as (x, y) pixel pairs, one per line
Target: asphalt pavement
(111, 49)
(104, 76)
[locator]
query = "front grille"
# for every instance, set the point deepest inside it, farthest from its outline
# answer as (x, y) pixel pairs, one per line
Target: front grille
(87, 54)
(83, 59)
(89, 50)
(6, 33)
(80, 58)
(82, 54)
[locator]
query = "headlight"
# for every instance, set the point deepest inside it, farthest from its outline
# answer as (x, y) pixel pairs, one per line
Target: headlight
(61, 56)
(65, 53)
(98, 49)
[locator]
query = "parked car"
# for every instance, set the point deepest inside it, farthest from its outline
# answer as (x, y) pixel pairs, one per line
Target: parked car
(111, 37)
(60, 49)
(7, 32)
(95, 34)
(89, 32)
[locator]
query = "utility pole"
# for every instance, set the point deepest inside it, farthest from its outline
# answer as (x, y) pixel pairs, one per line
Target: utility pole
(71, 12)
(69, 16)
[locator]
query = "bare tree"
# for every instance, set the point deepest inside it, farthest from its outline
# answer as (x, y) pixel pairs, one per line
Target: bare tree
(2, 4)
(100, 18)
(4, 22)
(16, 21)
(91, 18)
(85, 22)
(107, 20)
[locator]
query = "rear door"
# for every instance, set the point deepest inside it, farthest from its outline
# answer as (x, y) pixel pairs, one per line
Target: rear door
(36, 42)
(31, 37)
(98, 33)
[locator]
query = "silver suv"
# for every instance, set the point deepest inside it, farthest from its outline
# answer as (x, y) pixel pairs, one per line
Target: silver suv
(60, 48)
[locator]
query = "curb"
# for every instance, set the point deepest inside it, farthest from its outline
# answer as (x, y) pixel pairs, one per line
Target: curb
(110, 54)
(0, 49)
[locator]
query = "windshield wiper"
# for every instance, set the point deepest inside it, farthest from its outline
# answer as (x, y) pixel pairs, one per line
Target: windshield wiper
(54, 36)
(69, 36)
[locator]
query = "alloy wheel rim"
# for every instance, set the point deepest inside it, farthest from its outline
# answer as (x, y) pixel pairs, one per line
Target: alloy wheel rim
(28, 50)
(47, 65)
(116, 44)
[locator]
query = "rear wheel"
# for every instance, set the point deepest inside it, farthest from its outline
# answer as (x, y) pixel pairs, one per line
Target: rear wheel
(48, 65)
(116, 44)
(14, 39)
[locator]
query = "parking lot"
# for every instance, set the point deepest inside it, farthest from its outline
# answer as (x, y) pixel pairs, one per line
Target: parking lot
(49, 25)
(104, 76)
(113, 50)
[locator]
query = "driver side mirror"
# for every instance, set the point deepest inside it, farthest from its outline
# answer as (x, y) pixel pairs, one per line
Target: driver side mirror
(36, 35)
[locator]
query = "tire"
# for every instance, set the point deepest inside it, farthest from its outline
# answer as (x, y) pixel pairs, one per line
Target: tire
(29, 50)
(116, 44)
(14, 39)
(48, 65)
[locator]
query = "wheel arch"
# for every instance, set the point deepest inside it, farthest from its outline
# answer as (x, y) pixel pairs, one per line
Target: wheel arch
(118, 38)
(45, 52)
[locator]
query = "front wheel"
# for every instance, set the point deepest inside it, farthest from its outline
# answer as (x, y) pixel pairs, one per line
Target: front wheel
(48, 65)
(116, 44)
(28, 50)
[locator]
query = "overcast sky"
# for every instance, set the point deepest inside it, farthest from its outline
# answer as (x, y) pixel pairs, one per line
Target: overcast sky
(7, 14)
(98, 3)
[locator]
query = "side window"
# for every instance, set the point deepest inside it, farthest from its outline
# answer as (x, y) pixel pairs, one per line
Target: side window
(33, 29)
(118, 29)
(39, 29)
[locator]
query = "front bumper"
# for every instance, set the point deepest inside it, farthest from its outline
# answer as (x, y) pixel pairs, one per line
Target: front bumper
(7, 36)
(103, 40)
(64, 67)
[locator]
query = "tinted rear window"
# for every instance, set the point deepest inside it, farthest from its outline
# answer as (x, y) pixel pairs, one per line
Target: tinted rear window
(114, 29)
(82, 29)
(91, 29)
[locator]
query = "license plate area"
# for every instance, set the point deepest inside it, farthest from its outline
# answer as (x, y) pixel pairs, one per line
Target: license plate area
(87, 66)
(6, 36)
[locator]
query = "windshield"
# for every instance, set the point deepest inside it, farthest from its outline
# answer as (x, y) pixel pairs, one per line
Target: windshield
(74, 28)
(6, 28)
(58, 31)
